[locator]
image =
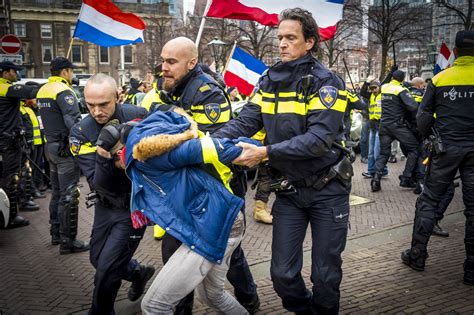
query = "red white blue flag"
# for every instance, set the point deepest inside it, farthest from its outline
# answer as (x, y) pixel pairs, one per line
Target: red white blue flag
(102, 23)
(326, 12)
(243, 71)
(443, 59)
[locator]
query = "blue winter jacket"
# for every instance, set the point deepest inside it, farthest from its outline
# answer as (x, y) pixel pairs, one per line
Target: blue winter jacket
(174, 191)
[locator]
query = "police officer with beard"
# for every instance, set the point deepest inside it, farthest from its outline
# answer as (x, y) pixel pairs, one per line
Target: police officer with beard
(59, 111)
(450, 96)
(301, 105)
(94, 141)
(186, 85)
(10, 136)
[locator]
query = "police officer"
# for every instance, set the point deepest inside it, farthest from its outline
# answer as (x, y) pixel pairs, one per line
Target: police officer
(450, 96)
(59, 110)
(10, 130)
(353, 102)
(136, 92)
(396, 101)
(183, 83)
(114, 240)
(301, 104)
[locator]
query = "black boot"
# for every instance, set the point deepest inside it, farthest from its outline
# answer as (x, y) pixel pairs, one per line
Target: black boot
(139, 283)
(29, 205)
(54, 231)
(419, 187)
(72, 246)
(406, 182)
(392, 158)
(438, 230)
(469, 272)
(18, 221)
(375, 182)
(414, 258)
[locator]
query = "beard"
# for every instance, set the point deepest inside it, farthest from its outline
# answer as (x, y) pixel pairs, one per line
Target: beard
(168, 84)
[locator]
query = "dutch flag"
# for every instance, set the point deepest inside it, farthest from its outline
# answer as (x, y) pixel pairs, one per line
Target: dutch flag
(326, 12)
(444, 60)
(102, 23)
(243, 71)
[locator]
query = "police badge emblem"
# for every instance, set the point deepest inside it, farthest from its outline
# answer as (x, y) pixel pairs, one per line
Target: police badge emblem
(328, 96)
(74, 145)
(212, 111)
(69, 99)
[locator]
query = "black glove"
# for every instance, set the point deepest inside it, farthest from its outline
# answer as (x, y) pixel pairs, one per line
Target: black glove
(108, 137)
(125, 130)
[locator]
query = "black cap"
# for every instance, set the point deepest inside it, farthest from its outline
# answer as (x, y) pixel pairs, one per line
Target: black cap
(465, 39)
(399, 75)
(374, 83)
(59, 63)
(8, 65)
(135, 83)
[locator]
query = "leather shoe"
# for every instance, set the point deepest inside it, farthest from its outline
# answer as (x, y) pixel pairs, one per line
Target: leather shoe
(414, 259)
(138, 285)
(18, 221)
(367, 175)
(29, 205)
(392, 159)
(252, 306)
(38, 195)
(406, 182)
(438, 231)
(76, 246)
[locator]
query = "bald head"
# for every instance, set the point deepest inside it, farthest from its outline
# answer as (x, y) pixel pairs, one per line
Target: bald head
(104, 80)
(179, 57)
(418, 83)
(100, 94)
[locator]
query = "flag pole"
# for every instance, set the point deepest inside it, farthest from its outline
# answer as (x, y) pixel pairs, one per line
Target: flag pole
(203, 21)
(71, 41)
(230, 57)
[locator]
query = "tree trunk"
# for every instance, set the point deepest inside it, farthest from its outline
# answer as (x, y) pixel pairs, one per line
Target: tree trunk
(383, 63)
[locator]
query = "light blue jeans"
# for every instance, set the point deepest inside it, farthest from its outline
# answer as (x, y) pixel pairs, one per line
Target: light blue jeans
(185, 271)
(374, 151)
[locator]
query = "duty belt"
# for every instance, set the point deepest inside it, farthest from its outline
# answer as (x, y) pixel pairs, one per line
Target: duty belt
(316, 181)
(120, 202)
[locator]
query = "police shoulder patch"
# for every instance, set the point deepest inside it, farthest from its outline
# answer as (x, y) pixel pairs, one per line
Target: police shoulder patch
(328, 95)
(69, 99)
(74, 145)
(204, 88)
(212, 111)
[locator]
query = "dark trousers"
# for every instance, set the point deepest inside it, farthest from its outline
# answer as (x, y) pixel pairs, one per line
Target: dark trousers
(9, 171)
(438, 180)
(400, 132)
(64, 173)
(37, 157)
(263, 186)
(364, 139)
(327, 213)
(113, 243)
(444, 203)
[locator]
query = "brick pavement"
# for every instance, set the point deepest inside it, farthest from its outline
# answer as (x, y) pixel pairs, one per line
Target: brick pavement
(35, 279)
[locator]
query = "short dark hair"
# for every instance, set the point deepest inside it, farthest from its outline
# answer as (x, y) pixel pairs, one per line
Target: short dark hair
(461, 52)
(55, 73)
(308, 24)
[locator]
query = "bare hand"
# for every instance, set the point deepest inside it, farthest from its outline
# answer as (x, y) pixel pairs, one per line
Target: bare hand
(251, 155)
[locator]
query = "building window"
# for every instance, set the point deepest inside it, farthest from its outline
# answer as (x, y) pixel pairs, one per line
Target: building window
(46, 31)
(47, 52)
(104, 54)
(72, 28)
(20, 29)
(76, 53)
(128, 54)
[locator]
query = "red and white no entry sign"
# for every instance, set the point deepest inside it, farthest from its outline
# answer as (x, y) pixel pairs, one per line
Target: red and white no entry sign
(10, 44)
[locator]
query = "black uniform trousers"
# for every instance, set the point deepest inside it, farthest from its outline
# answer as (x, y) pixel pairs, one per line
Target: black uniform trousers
(64, 173)
(113, 243)
(264, 181)
(239, 274)
(327, 213)
(10, 152)
(438, 180)
(400, 132)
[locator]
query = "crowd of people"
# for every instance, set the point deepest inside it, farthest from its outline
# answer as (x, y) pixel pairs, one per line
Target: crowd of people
(170, 152)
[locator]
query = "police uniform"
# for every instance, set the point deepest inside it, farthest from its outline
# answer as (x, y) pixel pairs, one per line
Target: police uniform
(396, 101)
(353, 102)
(205, 100)
(59, 110)
(10, 129)
(302, 125)
(114, 240)
(450, 96)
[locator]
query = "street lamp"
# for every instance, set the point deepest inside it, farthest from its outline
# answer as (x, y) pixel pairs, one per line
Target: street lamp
(216, 46)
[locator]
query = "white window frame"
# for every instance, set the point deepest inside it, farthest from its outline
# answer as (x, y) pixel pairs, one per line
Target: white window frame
(72, 54)
(108, 56)
(41, 30)
(43, 49)
(23, 28)
(131, 49)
